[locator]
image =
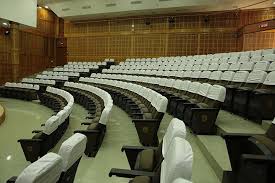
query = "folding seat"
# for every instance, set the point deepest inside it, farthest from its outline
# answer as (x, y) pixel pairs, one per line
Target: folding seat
(151, 121)
(95, 132)
(247, 66)
(142, 158)
(226, 78)
(244, 59)
(271, 67)
(252, 156)
(71, 152)
(204, 67)
(201, 92)
(215, 77)
(223, 67)
(238, 80)
(48, 168)
(234, 67)
(189, 90)
(241, 94)
(195, 75)
(201, 117)
(42, 142)
(204, 76)
(262, 66)
(256, 58)
(213, 67)
(177, 164)
(269, 57)
(262, 100)
(233, 59)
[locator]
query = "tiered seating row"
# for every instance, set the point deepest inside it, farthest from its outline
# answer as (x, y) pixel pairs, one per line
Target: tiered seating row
(99, 104)
(53, 167)
(202, 114)
(144, 105)
(61, 102)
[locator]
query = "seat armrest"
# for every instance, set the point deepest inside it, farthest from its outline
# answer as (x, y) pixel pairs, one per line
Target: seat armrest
(129, 173)
(137, 148)
(86, 123)
(237, 135)
(87, 131)
(36, 131)
(145, 120)
(255, 157)
(12, 179)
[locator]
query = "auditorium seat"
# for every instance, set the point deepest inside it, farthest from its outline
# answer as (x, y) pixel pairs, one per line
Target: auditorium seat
(201, 93)
(252, 156)
(201, 117)
(262, 100)
(176, 164)
(46, 169)
(150, 158)
(242, 94)
(71, 152)
(238, 80)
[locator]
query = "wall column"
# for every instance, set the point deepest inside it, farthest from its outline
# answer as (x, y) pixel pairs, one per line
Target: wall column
(15, 46)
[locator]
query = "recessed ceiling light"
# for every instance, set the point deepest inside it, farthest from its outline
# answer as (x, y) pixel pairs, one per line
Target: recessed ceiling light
(4, 23)
(274, 2)
(46, 7)
(39, 7)
(8, 157)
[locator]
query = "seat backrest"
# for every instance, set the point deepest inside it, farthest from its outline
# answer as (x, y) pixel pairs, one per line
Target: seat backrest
(72, 149)
(104, 118)
(194, 86)
(217, 93)
(270, 79)
(45, 170)
(51, 125)
(247, 66)
(256, 76)
(215, 75)
(227, 76)
(178, 161)
(263, 66)
(181, 180)
(240, 76)
(271, 67)
(161, 104)
(176, 128)
(203, 89)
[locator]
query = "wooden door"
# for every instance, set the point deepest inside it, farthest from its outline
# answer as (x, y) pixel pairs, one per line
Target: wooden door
(61, 51)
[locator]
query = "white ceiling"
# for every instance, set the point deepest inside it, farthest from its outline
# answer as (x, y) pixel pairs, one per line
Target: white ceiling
(91, 9)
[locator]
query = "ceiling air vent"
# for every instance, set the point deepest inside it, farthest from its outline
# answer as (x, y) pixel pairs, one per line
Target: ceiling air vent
(136, 2)
(164, 0)
(110, 5)
(86, 7)
(65, 9)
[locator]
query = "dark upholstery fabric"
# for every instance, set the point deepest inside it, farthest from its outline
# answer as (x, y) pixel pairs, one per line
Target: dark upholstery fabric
(141, 179)
(267, 142)
(39, 135)
(93, 126)
(145, 160)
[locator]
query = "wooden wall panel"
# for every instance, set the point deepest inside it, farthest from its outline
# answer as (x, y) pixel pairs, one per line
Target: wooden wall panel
(5, 66)
(150, 36)
(256, 40)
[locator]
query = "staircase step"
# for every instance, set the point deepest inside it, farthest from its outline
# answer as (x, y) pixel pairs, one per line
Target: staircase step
(215, 150)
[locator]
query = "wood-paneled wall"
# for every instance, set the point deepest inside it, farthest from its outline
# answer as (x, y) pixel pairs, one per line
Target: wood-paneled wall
(36, 48)
(5, 66)
(131, 37)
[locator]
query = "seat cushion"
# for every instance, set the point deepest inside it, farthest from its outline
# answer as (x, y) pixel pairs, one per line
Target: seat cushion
(203, 105)
(145, 160)
(147, 115)
(93, 126)
(141, 179)
(270, 144)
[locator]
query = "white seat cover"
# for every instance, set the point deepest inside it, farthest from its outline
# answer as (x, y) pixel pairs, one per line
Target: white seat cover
(227, 76)
(270, 79)
(51, 125)
(181, 180)
(176, 128)
(72, 149)
(217, 92)
(240, 76)
(178, 161)
(45, 170)
(204, 88)
(256, 76)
